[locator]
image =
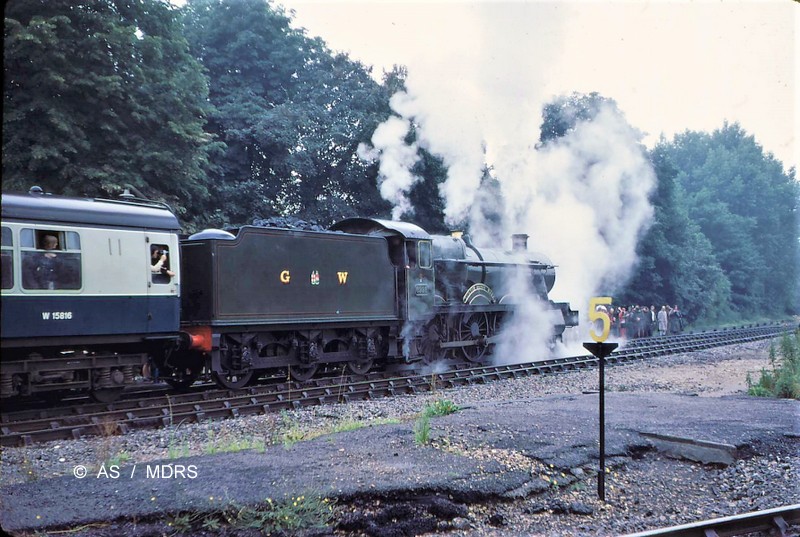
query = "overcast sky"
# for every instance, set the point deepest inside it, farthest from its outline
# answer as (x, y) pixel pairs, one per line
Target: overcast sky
(670, 66)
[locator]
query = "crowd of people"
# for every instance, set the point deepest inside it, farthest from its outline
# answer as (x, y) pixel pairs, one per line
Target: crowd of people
(645, 321)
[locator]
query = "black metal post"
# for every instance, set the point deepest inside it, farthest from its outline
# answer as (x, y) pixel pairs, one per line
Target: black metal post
(601, 477)
(601, 351)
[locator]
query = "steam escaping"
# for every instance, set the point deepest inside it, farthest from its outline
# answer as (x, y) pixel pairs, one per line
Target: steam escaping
(396, 158)
(462, 154)
(526, 335)
(582, 198)
(586, 203)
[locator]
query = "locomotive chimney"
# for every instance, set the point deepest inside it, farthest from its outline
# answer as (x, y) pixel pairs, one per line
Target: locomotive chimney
(519, 242)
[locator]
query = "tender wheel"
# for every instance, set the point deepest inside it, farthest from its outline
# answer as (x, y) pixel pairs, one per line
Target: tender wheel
(360, 368)
(232, 381)
(302, 373)
(183, 379)
(473, 326)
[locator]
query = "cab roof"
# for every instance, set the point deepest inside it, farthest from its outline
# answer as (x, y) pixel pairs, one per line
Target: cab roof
(375, 226)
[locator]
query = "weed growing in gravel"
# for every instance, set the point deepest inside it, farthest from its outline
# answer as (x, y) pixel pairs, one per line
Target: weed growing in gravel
(784, 378)
(176, 449)
(231, 445)
(422, 426)
(294, 433)
(433, 382)
(288, 515)
(422, 430)
(106, 429)
(29, 470)
(119, 459)
(440, 407)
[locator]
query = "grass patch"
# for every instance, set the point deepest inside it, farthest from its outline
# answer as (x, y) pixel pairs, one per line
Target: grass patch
(422, 430)
(294, 433)
(440, 407)
(119, 459)
(422, 426)
(289, 515)
(177, 450)
(232, 445)
(783, 377)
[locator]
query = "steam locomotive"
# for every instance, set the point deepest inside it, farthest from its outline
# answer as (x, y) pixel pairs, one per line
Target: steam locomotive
(123, 295)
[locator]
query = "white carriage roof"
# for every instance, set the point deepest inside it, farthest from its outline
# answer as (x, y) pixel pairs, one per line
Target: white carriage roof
(51, 209)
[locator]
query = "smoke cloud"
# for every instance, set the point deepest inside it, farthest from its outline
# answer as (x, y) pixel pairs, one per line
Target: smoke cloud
(396, 158)
(582, 198)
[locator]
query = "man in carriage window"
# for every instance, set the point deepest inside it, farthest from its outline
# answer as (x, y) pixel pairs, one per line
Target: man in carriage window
(159, 264)
(43, 270)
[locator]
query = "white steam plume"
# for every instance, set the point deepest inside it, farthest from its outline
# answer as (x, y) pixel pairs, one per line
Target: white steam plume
(396, 160)
(582, 198)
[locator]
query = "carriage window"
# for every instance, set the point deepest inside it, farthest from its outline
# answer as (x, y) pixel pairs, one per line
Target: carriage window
(159, 263)
(55, 261)
(425, 254)
(27, 238)
(72, 240)
(7, 259)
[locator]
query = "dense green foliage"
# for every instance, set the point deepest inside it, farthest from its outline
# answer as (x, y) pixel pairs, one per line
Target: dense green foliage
(725, 243)
(725, 240)
(676, 261)
(228, 113)
(783, 379)
(291, 113)
(748, 209)
(98, 94)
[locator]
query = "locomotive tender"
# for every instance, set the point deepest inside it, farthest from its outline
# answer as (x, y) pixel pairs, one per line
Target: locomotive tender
(367, 292)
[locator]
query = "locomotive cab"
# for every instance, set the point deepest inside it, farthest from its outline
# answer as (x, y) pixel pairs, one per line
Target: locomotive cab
(411, 253)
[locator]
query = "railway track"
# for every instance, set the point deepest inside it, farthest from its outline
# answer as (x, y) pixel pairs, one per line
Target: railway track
(158, 409)
(776, 521)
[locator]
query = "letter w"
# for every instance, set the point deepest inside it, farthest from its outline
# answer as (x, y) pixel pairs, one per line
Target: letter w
(342, 278)
(45, 315)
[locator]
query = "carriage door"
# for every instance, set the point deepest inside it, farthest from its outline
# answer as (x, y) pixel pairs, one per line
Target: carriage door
(163, 300)
(419, 275)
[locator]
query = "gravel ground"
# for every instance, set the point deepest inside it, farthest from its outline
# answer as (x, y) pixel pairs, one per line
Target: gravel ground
(647, 492)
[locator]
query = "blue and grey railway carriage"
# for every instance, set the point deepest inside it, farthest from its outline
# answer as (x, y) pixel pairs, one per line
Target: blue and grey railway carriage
(82, 307)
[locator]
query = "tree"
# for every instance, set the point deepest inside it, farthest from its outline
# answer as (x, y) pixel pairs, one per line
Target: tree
(291, 113)
(99, 94)
(676, 262)
(748, 208)
(563, 113)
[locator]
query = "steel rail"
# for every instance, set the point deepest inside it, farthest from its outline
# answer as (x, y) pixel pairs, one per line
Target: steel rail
(28, 427)
(775, 520)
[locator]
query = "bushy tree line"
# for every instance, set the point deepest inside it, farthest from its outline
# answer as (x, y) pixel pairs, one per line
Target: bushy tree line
(725, 240)
(228, 113)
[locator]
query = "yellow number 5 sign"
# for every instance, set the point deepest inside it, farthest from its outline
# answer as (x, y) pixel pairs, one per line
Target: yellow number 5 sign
(599, 314)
